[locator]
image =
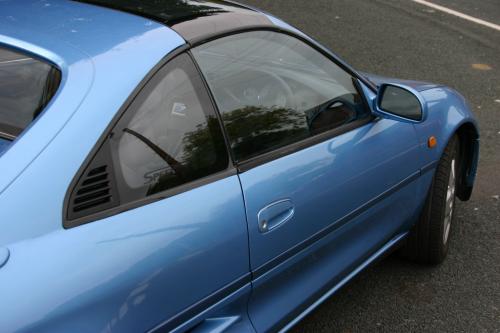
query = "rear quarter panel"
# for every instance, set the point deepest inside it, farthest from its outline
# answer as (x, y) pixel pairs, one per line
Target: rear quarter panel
(129, 272)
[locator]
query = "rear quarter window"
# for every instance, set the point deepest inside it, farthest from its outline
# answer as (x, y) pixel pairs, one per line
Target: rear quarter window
(27, 85)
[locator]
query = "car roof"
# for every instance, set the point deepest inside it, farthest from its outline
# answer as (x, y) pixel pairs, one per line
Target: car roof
(194, 20)
(95, 26)
(65, 25)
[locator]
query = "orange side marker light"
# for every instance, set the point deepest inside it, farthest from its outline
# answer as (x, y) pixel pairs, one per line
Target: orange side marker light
(432, 142)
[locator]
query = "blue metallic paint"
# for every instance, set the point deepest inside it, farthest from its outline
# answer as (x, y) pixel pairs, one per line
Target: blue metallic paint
(383, 250)
(4, 256)
(61, 130)
(448, 111)
(327, 181)
(131, 271)
(145, 268)
(4, 145)
(329, 184)
(228, 315)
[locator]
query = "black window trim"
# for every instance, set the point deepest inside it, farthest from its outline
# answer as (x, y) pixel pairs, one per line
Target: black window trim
(291, 148)
(233, 168)
(6, 130)
(216, 109)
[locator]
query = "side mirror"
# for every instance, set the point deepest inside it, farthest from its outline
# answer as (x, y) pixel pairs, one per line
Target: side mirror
(400, 102)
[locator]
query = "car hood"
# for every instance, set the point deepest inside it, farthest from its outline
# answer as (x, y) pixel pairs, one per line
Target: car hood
(417, 85)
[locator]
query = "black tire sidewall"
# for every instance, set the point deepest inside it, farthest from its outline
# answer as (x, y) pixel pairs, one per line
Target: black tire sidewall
(438, 249)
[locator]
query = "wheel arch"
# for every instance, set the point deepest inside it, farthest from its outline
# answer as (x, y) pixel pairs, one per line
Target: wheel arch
(468, 136)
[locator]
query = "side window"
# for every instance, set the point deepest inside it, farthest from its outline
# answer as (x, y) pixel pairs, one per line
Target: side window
(169, 136)
(26, 87)
(273, 90)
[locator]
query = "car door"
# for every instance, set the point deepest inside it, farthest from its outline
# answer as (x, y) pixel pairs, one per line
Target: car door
(159, 212)
(325, 183)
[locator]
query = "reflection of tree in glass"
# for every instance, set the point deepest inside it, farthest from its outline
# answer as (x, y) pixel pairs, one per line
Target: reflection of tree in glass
(253, 130)
(201, 147)
(204, 153)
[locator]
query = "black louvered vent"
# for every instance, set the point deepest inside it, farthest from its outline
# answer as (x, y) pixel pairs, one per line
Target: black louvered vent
(94, 190)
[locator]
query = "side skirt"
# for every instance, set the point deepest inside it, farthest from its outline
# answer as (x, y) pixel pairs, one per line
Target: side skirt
(387, 247)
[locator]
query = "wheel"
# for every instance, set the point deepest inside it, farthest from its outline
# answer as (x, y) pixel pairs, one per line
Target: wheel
(428, 241)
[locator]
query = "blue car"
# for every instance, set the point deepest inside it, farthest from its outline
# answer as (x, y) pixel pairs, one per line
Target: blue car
(201, 166)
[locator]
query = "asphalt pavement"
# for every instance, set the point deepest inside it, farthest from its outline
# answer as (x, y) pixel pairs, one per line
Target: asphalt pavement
(400, 38)
(488, 10)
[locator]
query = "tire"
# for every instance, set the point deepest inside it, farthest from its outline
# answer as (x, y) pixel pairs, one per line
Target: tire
(428, 241)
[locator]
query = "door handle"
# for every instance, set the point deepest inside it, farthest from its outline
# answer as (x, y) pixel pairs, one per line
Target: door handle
(275, 214)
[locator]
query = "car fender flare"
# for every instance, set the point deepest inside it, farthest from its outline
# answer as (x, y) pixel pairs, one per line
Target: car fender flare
(449, 115)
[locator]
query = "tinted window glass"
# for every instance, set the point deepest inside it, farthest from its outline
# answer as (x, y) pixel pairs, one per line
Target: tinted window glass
(273, 90)
(26, 86)
(169, 136)
(401, 103)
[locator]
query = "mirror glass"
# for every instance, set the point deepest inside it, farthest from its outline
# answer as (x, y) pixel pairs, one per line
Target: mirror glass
(400, 102)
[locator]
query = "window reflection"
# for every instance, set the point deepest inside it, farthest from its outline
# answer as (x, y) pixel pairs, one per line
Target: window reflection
(172, 136)
(26, 87)
(274, 90)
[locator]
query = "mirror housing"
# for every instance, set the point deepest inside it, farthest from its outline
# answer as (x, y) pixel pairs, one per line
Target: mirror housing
(400, 102)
